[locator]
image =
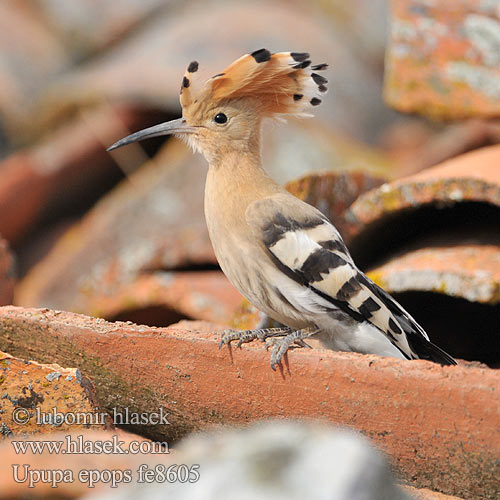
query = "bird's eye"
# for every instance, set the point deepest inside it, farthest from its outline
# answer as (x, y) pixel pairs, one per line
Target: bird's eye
(220, 118)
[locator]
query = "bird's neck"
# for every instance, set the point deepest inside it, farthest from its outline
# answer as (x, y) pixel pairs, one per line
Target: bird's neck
(235, 180)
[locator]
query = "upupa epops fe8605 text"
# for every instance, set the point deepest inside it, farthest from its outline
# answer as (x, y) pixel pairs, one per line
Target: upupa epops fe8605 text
(282, 254)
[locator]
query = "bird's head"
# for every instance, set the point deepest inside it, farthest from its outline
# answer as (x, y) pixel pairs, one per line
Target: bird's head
(224, 113)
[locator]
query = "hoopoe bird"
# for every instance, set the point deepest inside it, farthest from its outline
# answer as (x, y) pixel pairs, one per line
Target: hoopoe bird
(282, 254)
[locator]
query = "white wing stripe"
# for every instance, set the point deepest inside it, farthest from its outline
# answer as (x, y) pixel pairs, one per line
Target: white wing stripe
(294, 248)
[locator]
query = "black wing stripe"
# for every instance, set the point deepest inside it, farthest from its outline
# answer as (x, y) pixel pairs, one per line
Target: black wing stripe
(280, 225)
(368, 307)
(334, 246)
(320, 262)
(350, 288)
(394, 327)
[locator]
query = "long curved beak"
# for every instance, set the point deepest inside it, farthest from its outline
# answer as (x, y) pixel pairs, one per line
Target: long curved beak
(178, 126)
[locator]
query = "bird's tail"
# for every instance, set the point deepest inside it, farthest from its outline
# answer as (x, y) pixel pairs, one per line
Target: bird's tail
(427, 350)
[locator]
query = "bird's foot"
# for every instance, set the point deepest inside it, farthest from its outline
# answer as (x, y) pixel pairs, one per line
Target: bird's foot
(272, 341)
(245, 336)
(281, 346)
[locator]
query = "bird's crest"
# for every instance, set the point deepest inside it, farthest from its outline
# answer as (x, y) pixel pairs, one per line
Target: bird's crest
(281, 83)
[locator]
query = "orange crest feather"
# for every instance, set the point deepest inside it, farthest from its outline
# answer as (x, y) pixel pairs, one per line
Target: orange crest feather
(281, 83)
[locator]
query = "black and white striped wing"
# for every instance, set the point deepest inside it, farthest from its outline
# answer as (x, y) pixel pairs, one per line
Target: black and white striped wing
(304, 245)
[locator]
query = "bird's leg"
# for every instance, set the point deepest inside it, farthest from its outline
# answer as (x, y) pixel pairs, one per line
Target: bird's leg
(282, 345)
(249, 335)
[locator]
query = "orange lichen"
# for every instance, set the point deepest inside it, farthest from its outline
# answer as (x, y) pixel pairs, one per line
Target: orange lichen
(442, 59)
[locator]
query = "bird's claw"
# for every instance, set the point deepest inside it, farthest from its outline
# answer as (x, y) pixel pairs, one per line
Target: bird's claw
(274, 340)
(281, 346)
(245, 336)
(242, 337)
(301, 343)
(279, 350)
(281, 339)
(228, 336)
